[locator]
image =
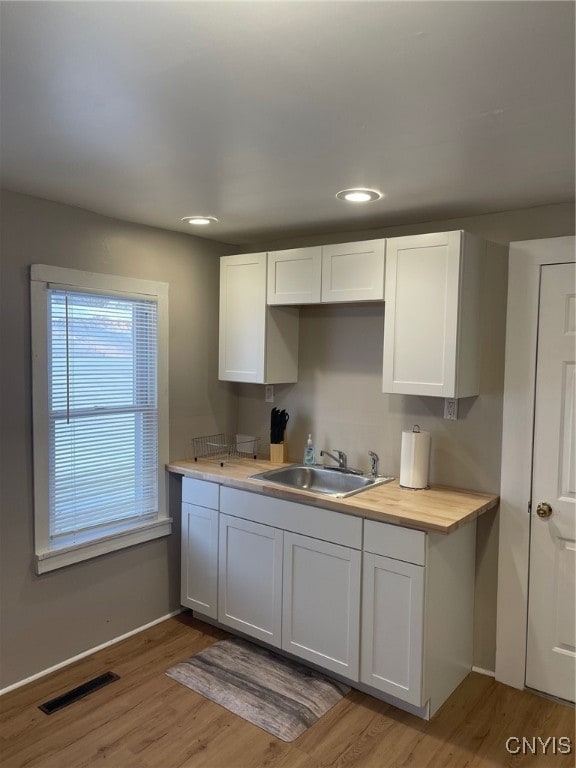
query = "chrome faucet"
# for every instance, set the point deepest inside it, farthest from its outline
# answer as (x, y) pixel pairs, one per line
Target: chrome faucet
(341, 458)
(374, 459)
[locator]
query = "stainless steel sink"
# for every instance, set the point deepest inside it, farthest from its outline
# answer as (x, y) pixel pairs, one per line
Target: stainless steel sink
(319, 479)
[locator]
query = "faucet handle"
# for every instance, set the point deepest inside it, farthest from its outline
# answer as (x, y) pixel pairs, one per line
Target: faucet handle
(374, 458)
(340, 457)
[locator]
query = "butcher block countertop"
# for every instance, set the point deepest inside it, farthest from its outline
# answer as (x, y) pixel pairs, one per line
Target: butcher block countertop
(439, 509)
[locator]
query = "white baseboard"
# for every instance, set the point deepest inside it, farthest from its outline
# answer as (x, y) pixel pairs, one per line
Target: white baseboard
(83, 655)
(487, 672)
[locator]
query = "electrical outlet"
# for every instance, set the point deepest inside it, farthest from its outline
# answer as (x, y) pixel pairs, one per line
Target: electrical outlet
(269, 393)
(450, 408)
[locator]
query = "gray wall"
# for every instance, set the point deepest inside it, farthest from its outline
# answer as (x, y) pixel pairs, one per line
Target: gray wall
(338, 396)
(50, 618)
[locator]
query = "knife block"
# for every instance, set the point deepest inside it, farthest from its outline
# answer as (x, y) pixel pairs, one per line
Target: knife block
(278, 453)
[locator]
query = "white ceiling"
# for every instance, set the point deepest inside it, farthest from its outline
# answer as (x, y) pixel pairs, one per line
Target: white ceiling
(259, 112)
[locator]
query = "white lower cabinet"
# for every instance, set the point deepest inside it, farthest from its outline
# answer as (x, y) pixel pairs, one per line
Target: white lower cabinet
(385, 607)
(250, 578)
(321, 609)
(393, 627)
(199, 577)
(199, 557)
(417, 612)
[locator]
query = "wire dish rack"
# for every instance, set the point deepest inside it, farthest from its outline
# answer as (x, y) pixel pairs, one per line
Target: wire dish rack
(225, 446)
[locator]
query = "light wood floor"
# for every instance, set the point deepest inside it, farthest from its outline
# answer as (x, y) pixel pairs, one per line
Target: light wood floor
(147, 720)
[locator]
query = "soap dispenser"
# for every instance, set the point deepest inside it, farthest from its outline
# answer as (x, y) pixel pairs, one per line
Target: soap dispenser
(309, 457)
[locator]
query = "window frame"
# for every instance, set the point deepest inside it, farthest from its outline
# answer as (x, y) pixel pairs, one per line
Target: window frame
(49, 558)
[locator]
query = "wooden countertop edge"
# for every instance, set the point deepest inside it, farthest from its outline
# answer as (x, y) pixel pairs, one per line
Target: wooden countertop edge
(363, 505)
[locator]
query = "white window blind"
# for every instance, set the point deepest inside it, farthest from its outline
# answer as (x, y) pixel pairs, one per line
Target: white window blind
(102, 414)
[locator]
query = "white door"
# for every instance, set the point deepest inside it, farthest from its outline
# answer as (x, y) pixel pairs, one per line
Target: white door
(250, 578)
(321, 605)
(551, 642)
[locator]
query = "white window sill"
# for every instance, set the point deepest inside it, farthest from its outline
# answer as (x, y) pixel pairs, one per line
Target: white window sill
(50, 560)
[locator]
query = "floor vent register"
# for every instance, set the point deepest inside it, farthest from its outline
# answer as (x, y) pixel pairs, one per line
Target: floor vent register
(78, 693)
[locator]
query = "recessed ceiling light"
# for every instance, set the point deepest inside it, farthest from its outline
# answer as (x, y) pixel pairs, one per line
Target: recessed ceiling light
(200, 221)
(359, 195)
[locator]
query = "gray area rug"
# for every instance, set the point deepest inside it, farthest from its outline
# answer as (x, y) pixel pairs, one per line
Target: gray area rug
(269, 691)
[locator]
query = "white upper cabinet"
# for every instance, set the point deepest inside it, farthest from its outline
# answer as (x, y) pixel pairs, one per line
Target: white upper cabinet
(328, 274)
(431, 323)
(294, 276)
(258, 344)
(353, 271)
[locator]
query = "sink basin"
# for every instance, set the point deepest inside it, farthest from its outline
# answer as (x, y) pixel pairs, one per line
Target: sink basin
(318, 479)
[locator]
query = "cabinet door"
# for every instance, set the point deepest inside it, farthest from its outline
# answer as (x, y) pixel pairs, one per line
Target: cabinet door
(353, 271)
(421, 318)
(242, 317)
(321, 601)
(393, 627)
(250, 578)
(199, 563)
(294, 276)
(257, 343)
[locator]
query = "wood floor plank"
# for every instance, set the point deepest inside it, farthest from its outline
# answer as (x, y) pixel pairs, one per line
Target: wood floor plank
(147, 720)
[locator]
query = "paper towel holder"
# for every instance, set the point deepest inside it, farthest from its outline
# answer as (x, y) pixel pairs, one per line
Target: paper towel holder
(411, 478)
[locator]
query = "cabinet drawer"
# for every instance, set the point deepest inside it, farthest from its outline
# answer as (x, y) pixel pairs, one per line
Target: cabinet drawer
(395, 541)
(290, 516)
(200, 492)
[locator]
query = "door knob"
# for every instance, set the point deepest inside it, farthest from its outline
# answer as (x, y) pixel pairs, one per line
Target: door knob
(543, 509)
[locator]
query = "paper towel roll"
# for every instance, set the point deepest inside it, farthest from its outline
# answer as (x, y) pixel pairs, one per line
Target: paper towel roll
(415, 458)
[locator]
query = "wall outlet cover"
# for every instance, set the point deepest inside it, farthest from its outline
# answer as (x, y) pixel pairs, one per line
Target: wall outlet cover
(450, 408)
